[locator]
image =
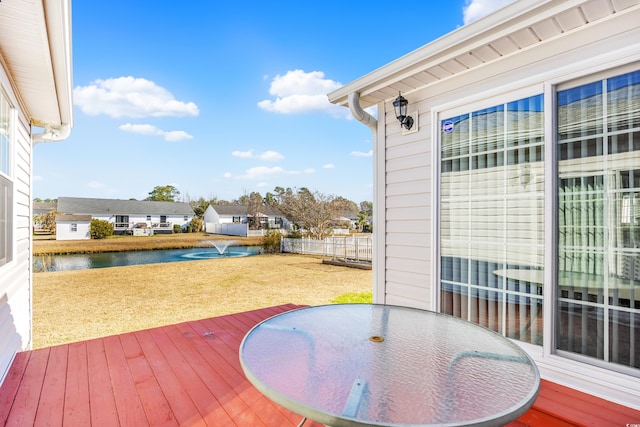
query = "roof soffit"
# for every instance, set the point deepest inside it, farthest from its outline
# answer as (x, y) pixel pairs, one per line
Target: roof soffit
(35, 49)
(517, 26)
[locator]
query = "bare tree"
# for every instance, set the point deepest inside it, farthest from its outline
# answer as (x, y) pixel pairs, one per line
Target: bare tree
(48, 221)
(255, 210)
(313, 211)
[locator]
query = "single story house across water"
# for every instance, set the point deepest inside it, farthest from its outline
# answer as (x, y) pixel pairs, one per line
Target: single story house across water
(127, 216)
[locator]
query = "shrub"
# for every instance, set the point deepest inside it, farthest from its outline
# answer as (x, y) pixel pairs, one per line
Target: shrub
(271, 242)
(197, 224)
(177, 228)
(294, 234)
(100, 229)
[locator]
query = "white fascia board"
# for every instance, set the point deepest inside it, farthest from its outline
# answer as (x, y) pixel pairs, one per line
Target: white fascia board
(58, 19)
(516, 15)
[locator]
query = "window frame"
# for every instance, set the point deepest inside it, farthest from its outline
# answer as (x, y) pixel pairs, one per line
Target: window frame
(9, 184)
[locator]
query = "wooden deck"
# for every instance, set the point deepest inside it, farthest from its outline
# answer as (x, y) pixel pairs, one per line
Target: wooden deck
(189, 375)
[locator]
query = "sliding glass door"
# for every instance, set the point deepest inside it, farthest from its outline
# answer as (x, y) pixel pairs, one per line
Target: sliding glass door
(492, 219)
(598, 309)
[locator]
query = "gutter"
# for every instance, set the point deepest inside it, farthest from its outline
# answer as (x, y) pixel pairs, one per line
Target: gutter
(52, 134)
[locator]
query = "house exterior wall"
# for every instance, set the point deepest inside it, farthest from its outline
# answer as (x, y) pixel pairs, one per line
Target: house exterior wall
(65, 230)
(228, 219)
(15, 276)
(138, 219)
(211, 218)
(410, 198)
(408, 167)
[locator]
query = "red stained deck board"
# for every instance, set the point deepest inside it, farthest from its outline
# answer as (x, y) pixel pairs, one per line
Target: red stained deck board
(11, 384)
(154, 403)
(27, 398)
(178, 360)
(192, 377)
(102, 404)
(130, 411)
(579, 408)
(51, 405)
(76, 396)
(190, 374)
(177, 397)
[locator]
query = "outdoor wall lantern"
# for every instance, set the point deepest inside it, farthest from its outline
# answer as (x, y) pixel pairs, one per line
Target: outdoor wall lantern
(400, 106)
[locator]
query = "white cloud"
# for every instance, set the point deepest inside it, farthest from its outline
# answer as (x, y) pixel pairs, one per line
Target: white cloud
(267, 156)
(270, 156)
(144, 129)
(476, 9)
(329, 166)
(262, 173)
(300, 92)
(242, 154)
(96, 184)
(361, 153)
(130, 97)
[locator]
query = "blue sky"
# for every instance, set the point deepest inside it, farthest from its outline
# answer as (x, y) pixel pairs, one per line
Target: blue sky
(220, 99)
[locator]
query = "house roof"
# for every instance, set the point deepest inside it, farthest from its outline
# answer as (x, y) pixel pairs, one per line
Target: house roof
(514, 28)
(43, 207)
(240, 210)
(35, 48)
(88, 206)
(73, 218)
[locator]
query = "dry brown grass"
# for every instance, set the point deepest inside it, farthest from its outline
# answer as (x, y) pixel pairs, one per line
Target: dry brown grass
(71, 306)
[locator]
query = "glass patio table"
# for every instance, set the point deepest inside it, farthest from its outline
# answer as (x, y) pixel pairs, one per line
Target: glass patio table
(382, 365)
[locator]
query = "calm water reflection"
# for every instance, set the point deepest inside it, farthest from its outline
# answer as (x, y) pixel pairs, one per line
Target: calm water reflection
(118, 259)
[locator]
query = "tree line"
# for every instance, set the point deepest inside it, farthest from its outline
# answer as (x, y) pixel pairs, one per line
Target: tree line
(311, 212)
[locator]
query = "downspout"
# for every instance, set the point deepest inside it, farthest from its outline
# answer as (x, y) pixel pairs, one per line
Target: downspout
(52, 134)
(379, 292)
(361, 115)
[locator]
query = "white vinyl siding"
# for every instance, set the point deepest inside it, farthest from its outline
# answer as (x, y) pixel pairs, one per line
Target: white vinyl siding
(408, 216)
(15, 272)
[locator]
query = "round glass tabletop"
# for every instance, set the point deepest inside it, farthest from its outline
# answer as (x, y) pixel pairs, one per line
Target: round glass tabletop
(380, 365)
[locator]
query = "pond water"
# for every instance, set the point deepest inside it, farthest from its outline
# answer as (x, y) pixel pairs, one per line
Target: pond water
(118, 259)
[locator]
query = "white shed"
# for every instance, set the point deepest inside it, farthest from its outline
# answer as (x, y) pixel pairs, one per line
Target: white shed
(73, 227)
(513, 199)
(35, 106)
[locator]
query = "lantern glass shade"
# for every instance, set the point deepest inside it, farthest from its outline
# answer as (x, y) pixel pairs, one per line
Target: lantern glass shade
(400, 107)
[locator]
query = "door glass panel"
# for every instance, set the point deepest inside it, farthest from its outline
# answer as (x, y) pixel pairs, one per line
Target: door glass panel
(492, 217)
(599, 220)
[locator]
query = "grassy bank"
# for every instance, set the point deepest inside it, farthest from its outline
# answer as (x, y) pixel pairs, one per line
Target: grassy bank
(47, 245)
(70, 306)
